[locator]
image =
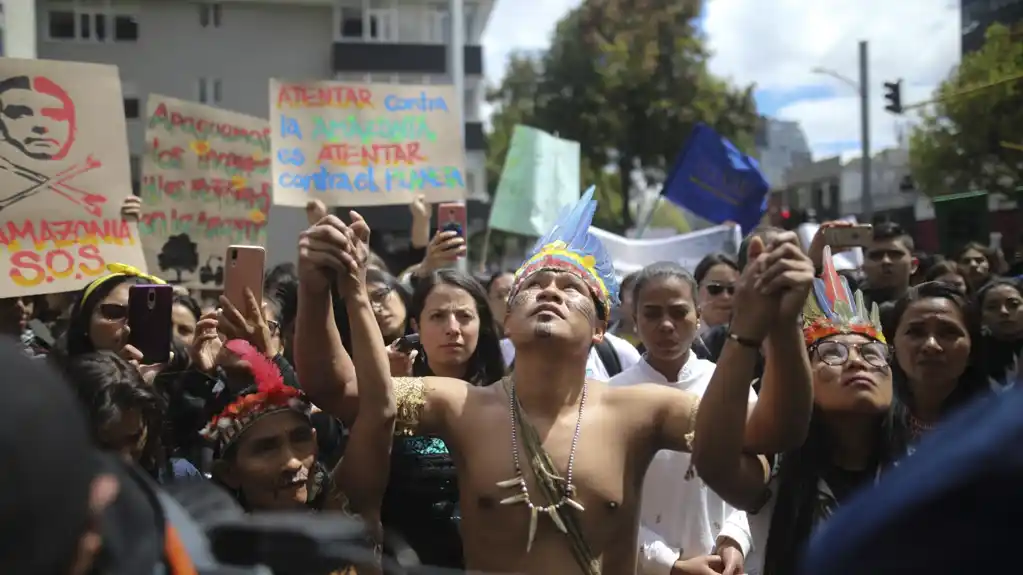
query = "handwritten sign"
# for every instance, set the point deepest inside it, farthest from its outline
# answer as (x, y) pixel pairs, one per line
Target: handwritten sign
(206, 185)
(64, 174)
(365, 144)
(539, 178)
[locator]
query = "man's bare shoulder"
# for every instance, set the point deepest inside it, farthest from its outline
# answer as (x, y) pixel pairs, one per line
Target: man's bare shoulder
(649, 394)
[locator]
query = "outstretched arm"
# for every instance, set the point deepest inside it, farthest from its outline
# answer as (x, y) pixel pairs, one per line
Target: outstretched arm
(323, 364)
(771, 292)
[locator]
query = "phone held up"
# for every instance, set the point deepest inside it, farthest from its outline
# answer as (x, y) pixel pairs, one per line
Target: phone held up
(850, 236)
(244, 270)
(406, 344)
(149, 319)
(451, 218)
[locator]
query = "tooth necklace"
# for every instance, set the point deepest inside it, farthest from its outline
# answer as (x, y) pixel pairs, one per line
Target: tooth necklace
(520, 479)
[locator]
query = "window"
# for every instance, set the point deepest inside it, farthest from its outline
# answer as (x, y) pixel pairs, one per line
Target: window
(135, 164)
(351, 23)
(210, 90)
(382, 24)
(92, 26)
(131, 108)
(209, 14)
(61, 24)
(92, 21)
(126, 28)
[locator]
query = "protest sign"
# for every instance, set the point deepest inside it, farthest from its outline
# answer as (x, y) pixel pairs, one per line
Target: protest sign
(716, 181)
(206, 185)
(539, 178)
(64, 174)
(365, 144)
(687, 250)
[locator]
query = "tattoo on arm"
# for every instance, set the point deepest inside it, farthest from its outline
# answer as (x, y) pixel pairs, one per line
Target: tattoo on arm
(410, 396)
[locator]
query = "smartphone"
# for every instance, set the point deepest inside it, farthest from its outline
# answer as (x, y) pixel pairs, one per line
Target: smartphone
(407, 343)
(244, 270)
(851, 236)
(451, 218)
(149, 317)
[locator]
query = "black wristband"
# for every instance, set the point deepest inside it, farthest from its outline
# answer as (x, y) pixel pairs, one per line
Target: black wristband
(744, 341)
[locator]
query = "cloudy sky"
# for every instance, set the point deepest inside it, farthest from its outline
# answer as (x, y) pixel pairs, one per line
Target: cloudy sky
(916, 40)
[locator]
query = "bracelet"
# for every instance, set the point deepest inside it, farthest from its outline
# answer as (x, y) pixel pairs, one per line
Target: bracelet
(745, 341)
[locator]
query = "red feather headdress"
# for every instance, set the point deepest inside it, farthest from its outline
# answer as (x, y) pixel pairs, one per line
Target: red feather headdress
(271, 396)
(832, 308)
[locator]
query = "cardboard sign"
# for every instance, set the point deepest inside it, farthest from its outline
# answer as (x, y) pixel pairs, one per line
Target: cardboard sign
(64, 175)
(540, 177)
(206, 186)
(365, 144)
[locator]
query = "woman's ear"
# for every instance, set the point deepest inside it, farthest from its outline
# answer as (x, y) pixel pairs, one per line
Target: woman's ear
(225, 472)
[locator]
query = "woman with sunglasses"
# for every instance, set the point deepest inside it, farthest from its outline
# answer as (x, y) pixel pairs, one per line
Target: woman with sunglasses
(716, 275)
(850, 435)
(99, 318)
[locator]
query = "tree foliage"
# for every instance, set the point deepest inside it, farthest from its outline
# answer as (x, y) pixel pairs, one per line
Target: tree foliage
(628, 80)
(958, 145)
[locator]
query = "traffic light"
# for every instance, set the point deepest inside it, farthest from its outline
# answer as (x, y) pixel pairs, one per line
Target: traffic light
(893, 95)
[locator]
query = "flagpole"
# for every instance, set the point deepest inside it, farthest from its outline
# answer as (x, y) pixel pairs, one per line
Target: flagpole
(649, 217)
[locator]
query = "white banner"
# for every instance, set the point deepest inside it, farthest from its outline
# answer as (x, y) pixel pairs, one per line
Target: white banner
(631, 255)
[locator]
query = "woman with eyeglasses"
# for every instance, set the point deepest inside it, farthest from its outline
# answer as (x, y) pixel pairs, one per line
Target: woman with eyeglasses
(850, 436)
(716, 275)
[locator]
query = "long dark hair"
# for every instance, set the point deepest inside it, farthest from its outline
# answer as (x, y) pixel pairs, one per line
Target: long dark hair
(108, 388)
(486, 364)
(995, 355)
(973, 380)
(76, 340)
(799, 472)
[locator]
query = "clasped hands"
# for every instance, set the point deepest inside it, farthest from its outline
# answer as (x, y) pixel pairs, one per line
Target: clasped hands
(773, 287)
(331, 248)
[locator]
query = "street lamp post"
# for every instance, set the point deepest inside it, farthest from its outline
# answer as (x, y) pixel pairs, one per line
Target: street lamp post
(863, 89)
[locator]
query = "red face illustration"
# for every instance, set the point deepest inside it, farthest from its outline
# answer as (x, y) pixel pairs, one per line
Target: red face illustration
(37, 117)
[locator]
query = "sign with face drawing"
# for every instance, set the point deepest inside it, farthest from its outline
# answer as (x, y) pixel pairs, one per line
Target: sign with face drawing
(64, 174)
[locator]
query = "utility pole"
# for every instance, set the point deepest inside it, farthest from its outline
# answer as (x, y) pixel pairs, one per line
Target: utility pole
(867, 201)
(456, 67)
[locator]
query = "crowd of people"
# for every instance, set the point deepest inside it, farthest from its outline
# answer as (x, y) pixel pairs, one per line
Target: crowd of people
(550, 419)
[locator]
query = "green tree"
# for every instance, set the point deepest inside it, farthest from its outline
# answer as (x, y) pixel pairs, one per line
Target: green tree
(628, 79)
(958, 145)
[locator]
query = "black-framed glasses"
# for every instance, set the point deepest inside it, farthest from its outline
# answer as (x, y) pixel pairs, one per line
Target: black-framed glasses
(275, 327)
(113, 311)
(836, 353)
(716, 288)
(379, 296)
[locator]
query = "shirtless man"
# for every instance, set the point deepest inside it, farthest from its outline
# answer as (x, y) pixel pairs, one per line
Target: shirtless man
(599, 440)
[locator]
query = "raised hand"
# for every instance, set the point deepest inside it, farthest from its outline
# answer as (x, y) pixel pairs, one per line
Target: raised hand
(444, 249)
(131, 209)
(206, 344)
(788, 274)
(753, 310)
(816, 249)
(319, 253)
(250, 326)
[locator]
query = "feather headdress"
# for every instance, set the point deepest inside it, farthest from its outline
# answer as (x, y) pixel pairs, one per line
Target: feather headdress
(569, 246)
(832, 308)
(270, 396)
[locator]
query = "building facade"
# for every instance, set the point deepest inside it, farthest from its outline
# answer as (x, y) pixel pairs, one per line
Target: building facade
(978, 15)
(225, 53)
(781, 145)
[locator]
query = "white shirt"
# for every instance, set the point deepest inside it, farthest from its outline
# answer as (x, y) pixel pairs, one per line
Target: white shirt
(681, 518)
(627, 355)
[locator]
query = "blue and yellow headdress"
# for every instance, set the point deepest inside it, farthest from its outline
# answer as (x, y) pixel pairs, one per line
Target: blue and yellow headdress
(832, 308)
(569, 246)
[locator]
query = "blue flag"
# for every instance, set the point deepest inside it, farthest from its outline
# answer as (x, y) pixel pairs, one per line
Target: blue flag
(717, 182)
